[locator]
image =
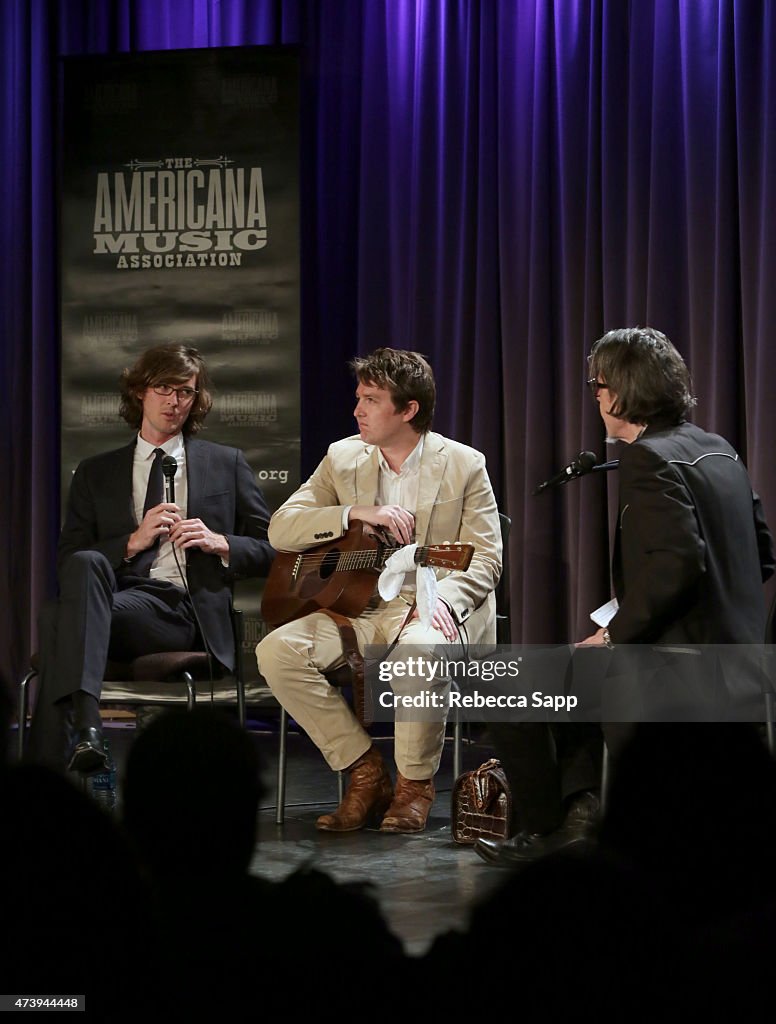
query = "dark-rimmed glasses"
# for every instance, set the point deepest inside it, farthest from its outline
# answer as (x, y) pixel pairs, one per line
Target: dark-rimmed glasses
(185, 395)
(596, 386)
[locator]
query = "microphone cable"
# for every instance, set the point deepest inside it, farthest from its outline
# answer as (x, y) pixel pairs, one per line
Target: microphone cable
(203, 636)
(169, 469)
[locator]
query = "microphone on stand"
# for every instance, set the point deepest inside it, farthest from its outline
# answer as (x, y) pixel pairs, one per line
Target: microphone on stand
(169, 469)
(585, 462)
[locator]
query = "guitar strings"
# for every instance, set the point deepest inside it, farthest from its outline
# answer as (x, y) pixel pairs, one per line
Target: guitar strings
(361, 559)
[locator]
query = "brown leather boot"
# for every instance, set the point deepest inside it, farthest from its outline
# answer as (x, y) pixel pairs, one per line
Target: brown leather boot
(411, 804)
(368, 795)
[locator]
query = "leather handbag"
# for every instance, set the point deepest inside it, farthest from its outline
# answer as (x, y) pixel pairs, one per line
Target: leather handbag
(481, 804)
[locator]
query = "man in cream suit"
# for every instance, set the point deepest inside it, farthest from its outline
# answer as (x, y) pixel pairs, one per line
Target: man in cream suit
(399, 476)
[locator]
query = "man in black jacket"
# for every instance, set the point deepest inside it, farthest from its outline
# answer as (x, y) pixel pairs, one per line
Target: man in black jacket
(691, 553)
(137, 574)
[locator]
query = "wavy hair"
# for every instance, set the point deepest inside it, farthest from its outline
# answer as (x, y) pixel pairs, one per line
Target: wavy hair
(166, 364)
(407, 375)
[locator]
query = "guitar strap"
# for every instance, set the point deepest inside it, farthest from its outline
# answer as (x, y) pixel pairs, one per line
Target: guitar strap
(355, 658)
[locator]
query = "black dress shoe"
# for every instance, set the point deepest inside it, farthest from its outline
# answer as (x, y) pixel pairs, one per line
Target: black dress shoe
(89, 754)
(488, 849)
(526, 847)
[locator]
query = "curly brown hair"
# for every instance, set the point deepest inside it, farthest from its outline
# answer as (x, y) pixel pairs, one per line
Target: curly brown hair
(166, 364)
(407, 375)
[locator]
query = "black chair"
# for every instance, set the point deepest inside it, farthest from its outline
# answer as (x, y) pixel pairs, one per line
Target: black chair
(769, 671)
(503, 625)
(167, 679)
(503, 632)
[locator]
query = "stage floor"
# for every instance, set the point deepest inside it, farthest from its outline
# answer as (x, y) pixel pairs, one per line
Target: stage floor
(425, 884)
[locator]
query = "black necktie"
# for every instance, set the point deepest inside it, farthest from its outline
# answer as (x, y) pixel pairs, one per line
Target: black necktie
(154, 494)
(155, 489)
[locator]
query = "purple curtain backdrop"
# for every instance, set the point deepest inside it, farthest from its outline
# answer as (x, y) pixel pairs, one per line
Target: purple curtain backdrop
(493, 183)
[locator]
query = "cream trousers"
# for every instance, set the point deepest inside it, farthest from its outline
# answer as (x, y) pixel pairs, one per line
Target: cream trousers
(293, 658)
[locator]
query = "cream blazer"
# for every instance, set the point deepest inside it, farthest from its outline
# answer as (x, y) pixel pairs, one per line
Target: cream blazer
(455, 502)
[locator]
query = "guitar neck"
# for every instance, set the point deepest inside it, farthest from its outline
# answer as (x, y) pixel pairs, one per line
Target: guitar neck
(372, 558)
(369, 558)
(366, 559)
(328, 559)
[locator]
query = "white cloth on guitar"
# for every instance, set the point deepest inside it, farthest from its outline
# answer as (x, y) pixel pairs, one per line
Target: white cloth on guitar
(391, 578)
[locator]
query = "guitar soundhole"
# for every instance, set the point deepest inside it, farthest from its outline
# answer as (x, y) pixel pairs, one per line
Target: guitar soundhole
(329, 564)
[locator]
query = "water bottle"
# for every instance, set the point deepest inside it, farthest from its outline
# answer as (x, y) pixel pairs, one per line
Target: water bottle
(102, 785)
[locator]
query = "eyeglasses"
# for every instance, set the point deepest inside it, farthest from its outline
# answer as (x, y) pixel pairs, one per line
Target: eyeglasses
(596, 385)
(186, 395)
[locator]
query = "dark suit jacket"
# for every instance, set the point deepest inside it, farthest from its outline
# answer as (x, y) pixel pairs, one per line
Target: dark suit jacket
(692, 545)
(222, 492)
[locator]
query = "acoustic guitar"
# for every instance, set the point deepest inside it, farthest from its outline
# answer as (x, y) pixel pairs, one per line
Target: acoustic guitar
(342, 574)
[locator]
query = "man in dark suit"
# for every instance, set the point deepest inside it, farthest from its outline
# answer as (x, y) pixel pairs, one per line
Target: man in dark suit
(691, 553)
(137, 574)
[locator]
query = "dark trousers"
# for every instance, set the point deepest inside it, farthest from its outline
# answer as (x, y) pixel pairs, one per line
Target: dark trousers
(99, 617)
(545, 764)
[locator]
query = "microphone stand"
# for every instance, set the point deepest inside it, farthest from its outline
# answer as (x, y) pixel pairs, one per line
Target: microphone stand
(600, 467)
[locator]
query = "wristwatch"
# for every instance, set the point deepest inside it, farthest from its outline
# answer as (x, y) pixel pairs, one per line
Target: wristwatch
(607, 639)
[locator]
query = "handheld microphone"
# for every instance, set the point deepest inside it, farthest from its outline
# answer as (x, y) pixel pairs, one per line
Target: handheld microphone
(169, 469)
(583, 463)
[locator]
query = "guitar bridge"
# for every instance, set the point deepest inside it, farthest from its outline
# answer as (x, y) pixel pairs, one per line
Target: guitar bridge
(297, 568)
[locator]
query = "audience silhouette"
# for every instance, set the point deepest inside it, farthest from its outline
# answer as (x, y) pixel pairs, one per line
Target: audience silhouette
(229, 939)
(678, 880)
(693, 812)
(671, 908)
(63, 861)
(73, 921)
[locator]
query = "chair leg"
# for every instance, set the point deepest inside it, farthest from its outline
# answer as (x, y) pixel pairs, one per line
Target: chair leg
(239, 676)
(770, 733)
(191, 691)
(280, 811)
(340, 787)
(241, 715)
(605, 771)
(457, 735)
(24, 700)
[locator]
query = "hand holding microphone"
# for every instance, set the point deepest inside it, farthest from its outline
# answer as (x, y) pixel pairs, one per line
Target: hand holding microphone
(190, 533)
(169, 469)
(155, 526)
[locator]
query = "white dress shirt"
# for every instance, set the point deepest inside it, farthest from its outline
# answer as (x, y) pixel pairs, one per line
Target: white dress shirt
(401, 489)
(164, 565)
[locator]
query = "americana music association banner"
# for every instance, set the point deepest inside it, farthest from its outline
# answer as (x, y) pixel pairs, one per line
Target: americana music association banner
(180, 222)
